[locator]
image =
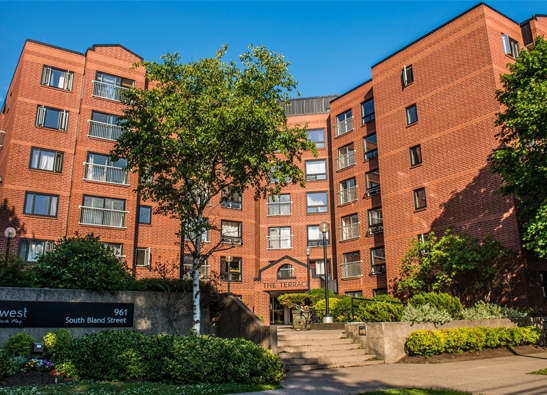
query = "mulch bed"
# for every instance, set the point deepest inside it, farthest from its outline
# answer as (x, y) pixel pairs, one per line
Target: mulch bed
(468, 356)
(33, 377)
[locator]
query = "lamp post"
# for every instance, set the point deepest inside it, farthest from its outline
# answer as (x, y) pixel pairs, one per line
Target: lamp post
(229, 260)
(10, 234)
(324, 228)
(509, 285)
(308, 266)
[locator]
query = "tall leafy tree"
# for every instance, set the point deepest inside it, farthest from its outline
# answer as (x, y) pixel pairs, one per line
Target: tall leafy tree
(205, 126)
(521, 161)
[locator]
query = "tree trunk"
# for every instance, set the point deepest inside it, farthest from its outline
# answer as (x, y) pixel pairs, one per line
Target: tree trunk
(196, 296)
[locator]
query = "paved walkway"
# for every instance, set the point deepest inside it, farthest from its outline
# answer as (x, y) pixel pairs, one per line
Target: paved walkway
(496, 376)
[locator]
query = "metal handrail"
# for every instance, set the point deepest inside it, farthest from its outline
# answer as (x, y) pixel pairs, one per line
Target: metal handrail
(104, 173)
(351, 269)
(348, 195)
(102, 216)
(352, 229)
(345, 160)
(108, 91)
(103, 130)
(344, 127)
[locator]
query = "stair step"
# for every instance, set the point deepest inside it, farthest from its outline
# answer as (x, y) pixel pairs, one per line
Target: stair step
(311, 334)
(299, 368)
(317, 347)
(321, 353)
(330, 359)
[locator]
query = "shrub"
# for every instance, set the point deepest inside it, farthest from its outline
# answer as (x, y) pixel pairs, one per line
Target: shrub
(481, 311)
(434, 342)
(387, 298)
(9, 364)
(321, 306)
(291, 300)
(441, 301)
(19, 344)
(81, 263)
(378, 312)
(508, 312)
(14, 273)
(425, 313)
(56, 340)
(217, 360)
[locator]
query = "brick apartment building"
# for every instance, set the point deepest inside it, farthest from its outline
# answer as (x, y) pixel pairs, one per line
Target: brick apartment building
(399, 156)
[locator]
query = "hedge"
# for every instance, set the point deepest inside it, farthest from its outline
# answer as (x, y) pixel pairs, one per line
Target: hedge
(433, 342)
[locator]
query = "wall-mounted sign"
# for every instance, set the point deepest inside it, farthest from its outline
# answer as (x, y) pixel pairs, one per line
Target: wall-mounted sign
(21, 314)
(286, 284)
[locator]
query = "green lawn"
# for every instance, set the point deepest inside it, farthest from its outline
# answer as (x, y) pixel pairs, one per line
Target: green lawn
(413, 391)
(134, 389)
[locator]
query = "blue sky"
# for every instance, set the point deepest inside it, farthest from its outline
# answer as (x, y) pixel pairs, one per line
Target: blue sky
(331, 45)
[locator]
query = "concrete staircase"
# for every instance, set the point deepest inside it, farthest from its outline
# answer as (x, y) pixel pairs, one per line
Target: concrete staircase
(319, 349)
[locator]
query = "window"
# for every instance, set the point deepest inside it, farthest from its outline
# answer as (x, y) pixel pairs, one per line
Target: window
(370, 146)
(110, 86)
(419, 199)
(372, 179)
(117, 248)
(203, 268)
(355, 294)
(100, 168)
(351, 264)
(526, 32)
(375, 221)
(51, 118)
(30, 250)
(145, 215)
(142, 257)
(274, 179)
(279, 237)
(344, 123)
(286, 271)
(315, 236)
(316, 170)
(41, 159)
(279, 205)
(367, 111)
(103, 211)
(377, 260)
(41, 204)
(379, 291)
(411, 114)
(407, 76)
(415, 155)
(317, 136)
(348, 191)
(319, 266)
(234, 270)
(57, 78)
(104, 126)
(510, 46)
(316, 202)
(230, 199)
(350, 227)
(346, 157)
(230, 232)
(204, 236)
(422, 239)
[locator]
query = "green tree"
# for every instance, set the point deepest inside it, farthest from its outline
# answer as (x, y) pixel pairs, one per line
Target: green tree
(458, 264)
(81, 262)
(206, 127)
(521, 161)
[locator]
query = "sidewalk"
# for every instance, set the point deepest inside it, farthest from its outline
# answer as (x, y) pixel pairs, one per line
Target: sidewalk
(496, 376)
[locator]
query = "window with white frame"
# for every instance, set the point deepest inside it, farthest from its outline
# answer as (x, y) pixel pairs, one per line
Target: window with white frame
(41, 204)
(346, 157)
(232, 269)
(316, 202)
(370, 146)
(348, 191)
(510, 46)
(319, 266)
(367, 111)
(351, 264)
(315, 237)
(102, 211)
(30, 249)
(375, 221)
(411, 114)
(42, 159)
(51, 118)
(230, 199)
(344, 123)
(316, 170)
(231, 232)
(203, 268)
(420, 201)
(117, 248)
(104, 126)
(423, 238)
(279, 237)
(279, 205)
(100, 167)
(372, 179)
(57, 78)
(110, 87)
(286, 271)
(317, 136)
(355, 294)
(377, 260)
(407, 75)
(350, 227)
(142, 257)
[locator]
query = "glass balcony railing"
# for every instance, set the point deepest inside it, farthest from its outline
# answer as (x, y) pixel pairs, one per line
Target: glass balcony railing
(349, 231)
(344, 126)
(104, 173)
(347, 195)
(351, 269)
(104, 130)
(108, 91)
(346, 160)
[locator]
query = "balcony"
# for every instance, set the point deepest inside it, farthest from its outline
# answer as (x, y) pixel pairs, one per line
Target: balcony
(102, 217)
(279, 208)
(344, 127)
(318, 243)
(279, 242)
(373, 191)
(371, 154)
(378, 269)
(104, 130)
(349, 231)
(346, 160)
(347, 195)
(351, 269)
(103, 173)
(233, 240)
(108, 91)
